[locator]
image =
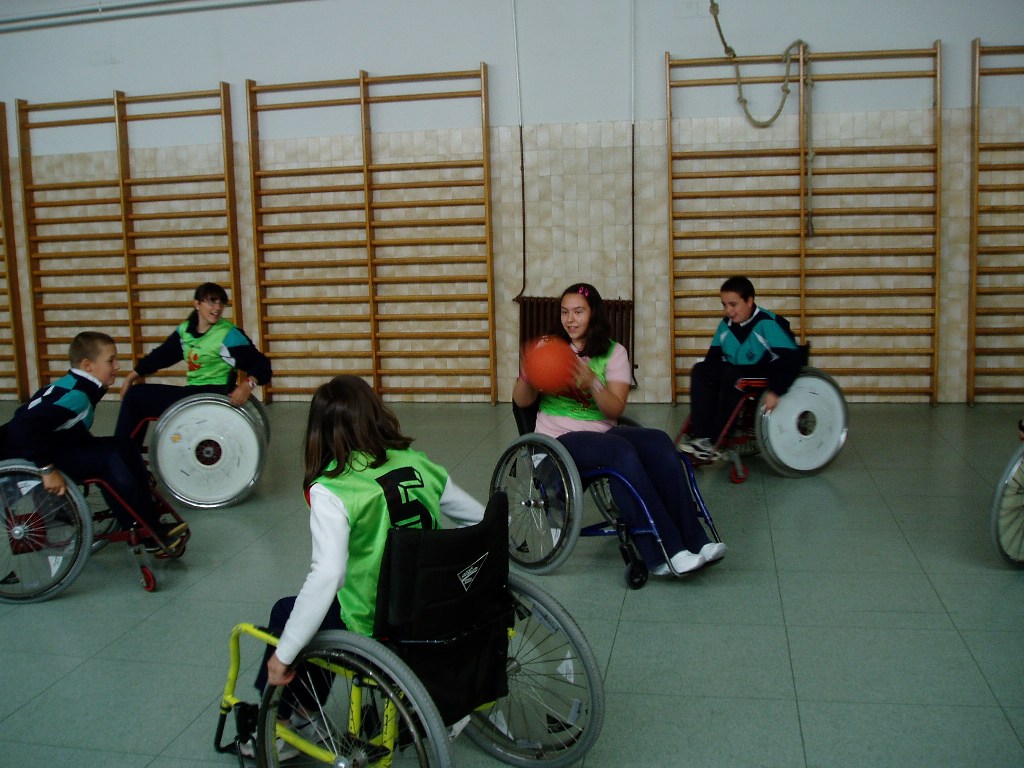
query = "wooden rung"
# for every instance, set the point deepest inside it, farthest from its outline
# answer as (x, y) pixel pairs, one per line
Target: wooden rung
(171, 198)
(312, 246)
(81, 202)
(730, 154)
(433, 335)
(739, 174)
(192, 178)
(894, 371)
(315, 336)
(463, 202)
(177, 216)
(318, 264)
(324, 208)
(67, 186)
(426, 317)
(334, 226)
(723, 215)
(865, 170)
(446, 184)
(873, 231)
(313, 170)
(904, 189)
(319, 300)
(873, 149)
(432, 354)
(404, 241)
(55, 221)
(737, 233)
(428, 223)
(326, 356)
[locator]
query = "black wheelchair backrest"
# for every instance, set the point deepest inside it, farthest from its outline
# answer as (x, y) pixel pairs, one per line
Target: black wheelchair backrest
(443, 603)
(437, 583)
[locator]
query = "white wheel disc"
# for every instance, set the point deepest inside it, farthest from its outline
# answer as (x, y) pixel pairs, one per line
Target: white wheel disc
(1008, 511)
(207, 452)
(807, 428)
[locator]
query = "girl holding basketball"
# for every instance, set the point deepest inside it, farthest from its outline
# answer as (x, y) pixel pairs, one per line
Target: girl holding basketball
(582, 414)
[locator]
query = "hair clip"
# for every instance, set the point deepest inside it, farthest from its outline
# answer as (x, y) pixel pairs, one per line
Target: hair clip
(584, 291)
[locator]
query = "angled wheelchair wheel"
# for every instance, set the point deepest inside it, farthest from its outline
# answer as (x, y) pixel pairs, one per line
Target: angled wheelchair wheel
(554, 709)
(545, 500)
(46, 538)
(206, 452)
(807, 429)
(1007, 514)
(371, 708)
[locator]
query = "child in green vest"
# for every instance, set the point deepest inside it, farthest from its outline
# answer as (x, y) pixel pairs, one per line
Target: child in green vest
(361, 479)
(584, 417)
(213, 349)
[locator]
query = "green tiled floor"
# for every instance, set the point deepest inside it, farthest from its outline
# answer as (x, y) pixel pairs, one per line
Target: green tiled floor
(861, 617)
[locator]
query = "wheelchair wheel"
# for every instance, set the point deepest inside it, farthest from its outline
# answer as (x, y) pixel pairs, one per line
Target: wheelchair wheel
(1007, 513)
(372, 709)
(545, 500)
(807, 429)
(208, 453)
(554, 709)
(47, 538)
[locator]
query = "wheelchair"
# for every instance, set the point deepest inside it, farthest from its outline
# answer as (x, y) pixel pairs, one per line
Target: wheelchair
(208, 453)
(546, 496)
(456, 636)
(47, 538)
(1007, 512)
(799, 437)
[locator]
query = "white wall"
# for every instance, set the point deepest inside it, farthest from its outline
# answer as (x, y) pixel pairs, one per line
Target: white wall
(577, 59)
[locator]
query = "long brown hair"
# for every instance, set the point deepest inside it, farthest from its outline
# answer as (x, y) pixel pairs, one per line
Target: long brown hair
(346, 416)
(600, 328)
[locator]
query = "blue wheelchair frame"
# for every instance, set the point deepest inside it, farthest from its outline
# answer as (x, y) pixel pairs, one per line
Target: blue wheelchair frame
(535, 494)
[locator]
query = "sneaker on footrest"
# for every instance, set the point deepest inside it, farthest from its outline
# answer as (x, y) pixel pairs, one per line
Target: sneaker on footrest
(700, 448)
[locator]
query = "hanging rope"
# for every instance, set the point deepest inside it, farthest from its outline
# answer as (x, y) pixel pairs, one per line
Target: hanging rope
(787, 58)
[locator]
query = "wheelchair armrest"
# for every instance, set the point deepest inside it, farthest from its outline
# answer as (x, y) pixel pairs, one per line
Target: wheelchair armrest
(751, 385)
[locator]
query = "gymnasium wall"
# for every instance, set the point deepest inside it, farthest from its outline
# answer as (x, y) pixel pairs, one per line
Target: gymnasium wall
(578, 137)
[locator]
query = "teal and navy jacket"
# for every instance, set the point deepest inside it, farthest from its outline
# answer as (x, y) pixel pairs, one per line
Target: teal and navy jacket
(764, 342)
(56, 417)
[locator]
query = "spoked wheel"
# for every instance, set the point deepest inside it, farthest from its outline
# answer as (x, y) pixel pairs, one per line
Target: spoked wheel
(554, 709)
(807, 429)
(208, 453)
(545, 501)
(46, 539)
(1007, 513)
(370, 710)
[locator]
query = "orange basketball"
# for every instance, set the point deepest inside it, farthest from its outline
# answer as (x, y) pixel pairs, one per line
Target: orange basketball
(550, 364)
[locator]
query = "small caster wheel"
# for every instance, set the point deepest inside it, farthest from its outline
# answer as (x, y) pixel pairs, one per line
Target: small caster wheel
(148, 579)
(636, 575)
(739, 474)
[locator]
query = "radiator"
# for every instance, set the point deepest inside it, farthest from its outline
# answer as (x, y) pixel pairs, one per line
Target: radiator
(539, 315)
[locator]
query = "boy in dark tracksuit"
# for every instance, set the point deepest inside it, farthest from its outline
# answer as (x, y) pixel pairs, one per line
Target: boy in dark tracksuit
(52, 431)
(213, 349)
(750, 342)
